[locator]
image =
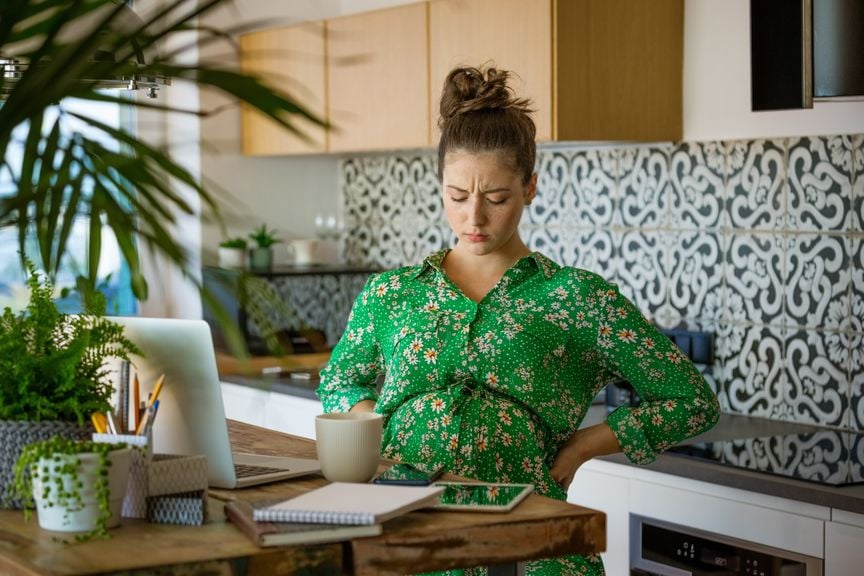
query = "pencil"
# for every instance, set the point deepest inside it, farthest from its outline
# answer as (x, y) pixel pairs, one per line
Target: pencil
(136, 401)
(156, 390)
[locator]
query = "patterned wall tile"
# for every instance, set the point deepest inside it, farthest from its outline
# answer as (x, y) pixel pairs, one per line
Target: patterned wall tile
(697, 171)
(856, 394)
(755, 188)
(696, 276)
(643, 200)
(555, 194)
(593, 179)
(754, 276)
(592, 250)
(856, 249)
(417, 240)
(857, 223)
(817, 365)
(385, 189)
(817, 280)
(548, 240)
(820, 183)
(755, 382)
(641, 268)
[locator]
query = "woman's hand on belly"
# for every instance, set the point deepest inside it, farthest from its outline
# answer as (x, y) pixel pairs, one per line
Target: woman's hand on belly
(363, 406)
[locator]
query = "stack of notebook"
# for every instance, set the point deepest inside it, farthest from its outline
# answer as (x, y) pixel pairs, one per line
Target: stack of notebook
(337, 511)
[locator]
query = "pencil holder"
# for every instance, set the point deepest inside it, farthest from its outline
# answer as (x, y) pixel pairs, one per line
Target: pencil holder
(135, 501)
(188, 508)
(153, 475)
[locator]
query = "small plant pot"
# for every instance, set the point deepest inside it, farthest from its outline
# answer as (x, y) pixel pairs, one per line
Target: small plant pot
(232, 258)
(80, 514)
(261, 259)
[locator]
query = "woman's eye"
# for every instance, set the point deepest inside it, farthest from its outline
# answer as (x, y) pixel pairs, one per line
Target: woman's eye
(458, 198)
(497, 201)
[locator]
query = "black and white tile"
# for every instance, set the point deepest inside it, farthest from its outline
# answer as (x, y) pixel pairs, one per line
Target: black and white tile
(697, 173)
(755, 381)
(817, 365)
(817, 280)
(555, 196)
(756, 185)
(820, 172)
(643, 201)
(857, 224)
(641, 268)
(593, 177)
(696, 273)
(754, 277)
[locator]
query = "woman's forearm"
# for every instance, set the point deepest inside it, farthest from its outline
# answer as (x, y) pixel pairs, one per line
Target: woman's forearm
(583, 445)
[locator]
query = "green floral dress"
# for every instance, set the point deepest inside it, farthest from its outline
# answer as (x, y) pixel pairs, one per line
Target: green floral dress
(491, 390)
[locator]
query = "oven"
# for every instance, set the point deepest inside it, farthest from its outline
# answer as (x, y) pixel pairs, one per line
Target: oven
(659, 548)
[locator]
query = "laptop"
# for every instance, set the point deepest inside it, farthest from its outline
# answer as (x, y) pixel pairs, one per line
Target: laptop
(191, 417)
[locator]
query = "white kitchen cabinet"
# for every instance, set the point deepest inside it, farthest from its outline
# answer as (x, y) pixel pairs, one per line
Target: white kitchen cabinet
(274, 410)
(844, 544)
(291, 414)
(243, 403)
(621, 490)
(604, 486)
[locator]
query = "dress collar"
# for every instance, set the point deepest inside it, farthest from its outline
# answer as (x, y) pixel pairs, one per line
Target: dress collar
(546, 266)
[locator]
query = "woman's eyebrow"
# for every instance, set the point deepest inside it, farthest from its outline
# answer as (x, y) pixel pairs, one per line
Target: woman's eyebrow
(489, 191)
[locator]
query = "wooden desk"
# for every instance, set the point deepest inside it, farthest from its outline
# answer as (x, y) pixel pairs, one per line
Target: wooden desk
(417, 542)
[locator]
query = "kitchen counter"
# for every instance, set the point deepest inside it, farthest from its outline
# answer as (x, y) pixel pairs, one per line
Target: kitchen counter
(731, 426)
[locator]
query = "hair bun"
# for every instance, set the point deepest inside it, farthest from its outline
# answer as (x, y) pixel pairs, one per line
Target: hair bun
(468, 89)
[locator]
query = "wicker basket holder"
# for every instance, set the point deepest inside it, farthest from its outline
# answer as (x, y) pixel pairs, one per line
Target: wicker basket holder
(15, 435)
(163, 488)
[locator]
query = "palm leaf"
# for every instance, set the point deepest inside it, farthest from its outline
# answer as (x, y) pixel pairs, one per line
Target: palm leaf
(133, 191)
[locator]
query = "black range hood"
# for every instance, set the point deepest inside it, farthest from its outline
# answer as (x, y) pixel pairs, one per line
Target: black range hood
(803, 50)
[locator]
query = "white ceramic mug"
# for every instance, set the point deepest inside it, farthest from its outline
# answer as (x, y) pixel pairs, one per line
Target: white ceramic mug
(349, 445)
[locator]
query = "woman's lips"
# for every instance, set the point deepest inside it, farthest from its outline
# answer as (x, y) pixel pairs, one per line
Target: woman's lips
(477, 237)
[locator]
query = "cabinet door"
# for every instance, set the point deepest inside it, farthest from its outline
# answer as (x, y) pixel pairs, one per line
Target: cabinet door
(378, 84)
(843, 549)
(292, 60)
(619, 70)
(515, 35)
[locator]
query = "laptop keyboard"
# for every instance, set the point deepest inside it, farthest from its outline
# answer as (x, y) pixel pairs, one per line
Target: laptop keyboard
(246, 470)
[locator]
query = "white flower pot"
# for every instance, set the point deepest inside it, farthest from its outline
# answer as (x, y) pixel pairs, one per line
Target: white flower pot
(232, 258)
(68, 515)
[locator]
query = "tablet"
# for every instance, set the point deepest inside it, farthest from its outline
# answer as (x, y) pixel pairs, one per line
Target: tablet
(482, 496)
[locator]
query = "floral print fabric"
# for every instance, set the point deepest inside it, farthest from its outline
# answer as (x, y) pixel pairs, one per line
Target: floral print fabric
(491, 390)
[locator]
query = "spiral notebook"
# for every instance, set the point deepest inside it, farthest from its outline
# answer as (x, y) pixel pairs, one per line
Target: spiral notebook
(347, 503)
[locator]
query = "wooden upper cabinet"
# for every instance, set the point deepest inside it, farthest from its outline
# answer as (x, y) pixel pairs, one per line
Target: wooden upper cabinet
(619, 69)
(514, 35)
(292, 59)
(595, 69)
(378, 82)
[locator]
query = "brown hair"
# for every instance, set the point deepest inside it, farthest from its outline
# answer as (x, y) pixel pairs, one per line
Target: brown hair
(481, 113)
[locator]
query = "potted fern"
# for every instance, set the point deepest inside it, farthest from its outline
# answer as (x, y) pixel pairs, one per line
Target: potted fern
(53, 373)
(74, 485)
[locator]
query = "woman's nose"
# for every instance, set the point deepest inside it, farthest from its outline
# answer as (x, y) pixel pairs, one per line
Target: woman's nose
(476, 209)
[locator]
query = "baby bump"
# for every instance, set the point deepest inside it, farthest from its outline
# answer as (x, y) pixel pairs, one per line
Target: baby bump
(472, 432)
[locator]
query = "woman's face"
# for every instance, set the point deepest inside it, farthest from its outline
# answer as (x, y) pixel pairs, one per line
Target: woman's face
(483, 201)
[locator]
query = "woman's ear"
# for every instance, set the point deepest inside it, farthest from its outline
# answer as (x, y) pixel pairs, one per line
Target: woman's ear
(531, 189)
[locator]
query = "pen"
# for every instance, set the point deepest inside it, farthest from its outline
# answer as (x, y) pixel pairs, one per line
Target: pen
(112, 428)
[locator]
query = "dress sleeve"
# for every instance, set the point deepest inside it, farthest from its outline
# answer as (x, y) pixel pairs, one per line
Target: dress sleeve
(676, 403)
(355, 364)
